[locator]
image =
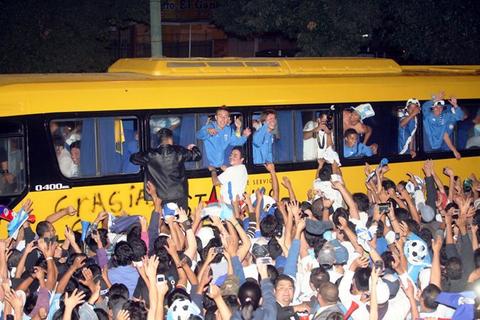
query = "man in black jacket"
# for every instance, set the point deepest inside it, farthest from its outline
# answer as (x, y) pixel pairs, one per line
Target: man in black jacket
(165, 168)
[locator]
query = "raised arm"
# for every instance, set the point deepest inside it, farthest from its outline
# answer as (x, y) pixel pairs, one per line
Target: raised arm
(276, 190)
(436, 275)
(347, 197)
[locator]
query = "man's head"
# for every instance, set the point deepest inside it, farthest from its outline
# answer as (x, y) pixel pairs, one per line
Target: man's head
(45, 230)
(428, 297)
(165, 136)
(327, 294)
(318, 276)
(412, 105)
(236, 156)
(123, 253)
(269, 117)
(75, 152)
(354, 117)
(284, 290)
(454, 268)
(351, 137)
(58, 143)
(437, 107)
(222, 116)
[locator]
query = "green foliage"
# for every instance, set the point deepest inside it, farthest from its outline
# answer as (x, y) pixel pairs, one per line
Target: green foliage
(62, 35)
(413, 31)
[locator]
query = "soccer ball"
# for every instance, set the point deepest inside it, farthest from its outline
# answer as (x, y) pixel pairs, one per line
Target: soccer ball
(416, 251)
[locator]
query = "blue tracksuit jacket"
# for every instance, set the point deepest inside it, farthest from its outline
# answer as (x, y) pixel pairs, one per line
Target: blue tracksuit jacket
(262, 145)
(435, 127)
(215, 146)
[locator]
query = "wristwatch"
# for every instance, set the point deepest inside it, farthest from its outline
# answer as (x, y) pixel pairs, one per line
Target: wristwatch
(187, 224)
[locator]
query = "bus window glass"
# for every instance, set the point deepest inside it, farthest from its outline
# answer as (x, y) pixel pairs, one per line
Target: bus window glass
(315, 129)
(273, 139)
(467, 135)
(183, 128)
(12, 166)
(408, 118)
(93, 147)
(357, 132)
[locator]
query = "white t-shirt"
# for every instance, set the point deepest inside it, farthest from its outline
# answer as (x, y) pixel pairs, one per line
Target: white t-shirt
(66, 164)
(314, 148)
(234, 178)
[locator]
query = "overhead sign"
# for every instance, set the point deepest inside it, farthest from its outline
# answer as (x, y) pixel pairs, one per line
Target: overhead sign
(187, 10)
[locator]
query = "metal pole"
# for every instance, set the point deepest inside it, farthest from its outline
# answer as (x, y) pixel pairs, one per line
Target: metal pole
(189, 40)
(156, 28)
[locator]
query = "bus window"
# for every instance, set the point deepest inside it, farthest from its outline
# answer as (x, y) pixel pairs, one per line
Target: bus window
(93, 147)
(12, 165)
(183, 128)
(467, 135)
(357, 132)
(314, 133)
(277, 145)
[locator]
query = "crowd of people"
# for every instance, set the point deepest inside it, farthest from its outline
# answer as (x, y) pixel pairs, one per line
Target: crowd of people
(399, 250)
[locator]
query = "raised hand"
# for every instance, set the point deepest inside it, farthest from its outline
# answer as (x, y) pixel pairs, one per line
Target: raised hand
(123, 315)
(77, 297)
(27, 206)
(78, 262)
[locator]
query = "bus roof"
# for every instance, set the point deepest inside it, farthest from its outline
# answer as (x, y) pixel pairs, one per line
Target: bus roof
(147, 83)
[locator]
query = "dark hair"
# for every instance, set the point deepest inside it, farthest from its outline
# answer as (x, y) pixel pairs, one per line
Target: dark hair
(476, 257)
(401, 214)
(429, 295)
(249, 295)
(239, 149)
(75, 144)
(118, 289)
(139, 249)
(274, 248)
(340, 212)
(426, 235)
(164, 134)
(349, 132)
(361, 278)
(329, 292)
(14, 258)
(361, 200)
(137, 310)
(123, 254)
(42, 228)
(267, 112)
(30, 302)
(388, 260)
(335, 316)
(325, 173)
(453, 268)
(284, 277)
(317, 208)
(318, 276)
(116, 302)
(451, 205)
(268, 226)
(272, 273)
(177, 293)
(222, 108)
(101, 314)
(388, 184)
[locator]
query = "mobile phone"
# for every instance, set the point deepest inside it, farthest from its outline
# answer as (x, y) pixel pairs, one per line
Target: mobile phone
(397, 236)
(160, 278)
(218, 250)
(384, 207)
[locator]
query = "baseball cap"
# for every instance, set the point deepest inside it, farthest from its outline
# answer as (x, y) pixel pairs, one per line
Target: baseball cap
(412, 101)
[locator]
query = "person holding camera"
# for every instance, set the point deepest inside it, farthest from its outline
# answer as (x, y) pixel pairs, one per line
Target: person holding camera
(317, 137)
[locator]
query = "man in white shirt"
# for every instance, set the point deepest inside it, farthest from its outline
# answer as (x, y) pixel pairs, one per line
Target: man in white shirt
(234, 179)
(317, 137)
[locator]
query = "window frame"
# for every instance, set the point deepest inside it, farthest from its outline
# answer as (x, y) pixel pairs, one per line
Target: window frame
(23, 134)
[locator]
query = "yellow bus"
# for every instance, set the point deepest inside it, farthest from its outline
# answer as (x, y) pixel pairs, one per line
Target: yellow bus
(65, 139)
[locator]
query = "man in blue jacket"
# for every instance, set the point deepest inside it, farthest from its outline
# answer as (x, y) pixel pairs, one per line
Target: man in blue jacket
(438, 123)
(408, 127)
(263, 138)
(218, 135)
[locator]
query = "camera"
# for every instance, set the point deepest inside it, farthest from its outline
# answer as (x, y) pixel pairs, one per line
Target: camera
(218, 250)
(329, 123)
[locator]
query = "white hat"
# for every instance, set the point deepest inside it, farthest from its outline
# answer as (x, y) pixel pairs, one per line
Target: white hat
(205, 234)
